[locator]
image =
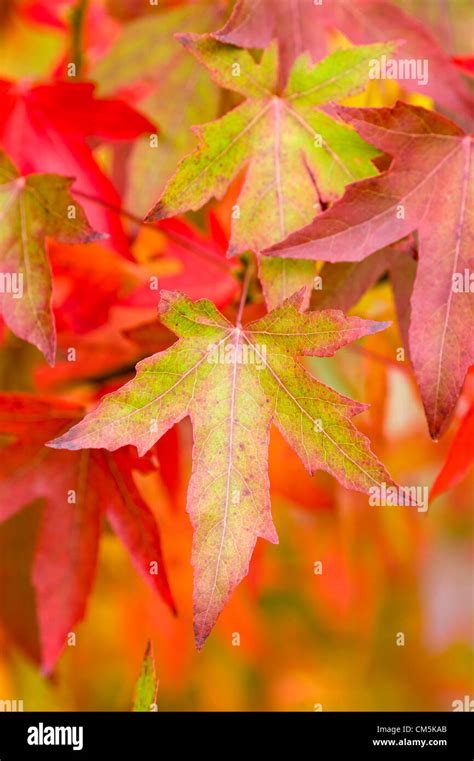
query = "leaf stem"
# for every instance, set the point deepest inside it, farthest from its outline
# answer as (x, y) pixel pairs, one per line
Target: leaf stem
(243, 295)
(77, 21)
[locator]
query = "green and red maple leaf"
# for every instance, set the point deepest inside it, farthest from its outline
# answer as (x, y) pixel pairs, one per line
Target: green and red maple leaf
(235, 382)
(297, 157)
(32, 208)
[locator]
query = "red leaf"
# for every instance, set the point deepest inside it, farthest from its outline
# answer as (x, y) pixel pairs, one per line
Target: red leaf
(460, 456)
(133, 522)
(45, 12)
(66, 554)
(428, 188)
(301, 25)
(44, 128)
(17, 545)
(78, 490)
(168, 452)
(88, 269)
(465, 63)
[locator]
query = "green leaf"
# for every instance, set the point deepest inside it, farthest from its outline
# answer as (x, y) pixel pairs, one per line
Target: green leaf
(30, 209)
(297, 156)
(235, 382)
(146, 688)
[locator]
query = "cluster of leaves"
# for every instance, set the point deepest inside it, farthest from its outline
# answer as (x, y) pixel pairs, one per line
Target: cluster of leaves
(299, 179)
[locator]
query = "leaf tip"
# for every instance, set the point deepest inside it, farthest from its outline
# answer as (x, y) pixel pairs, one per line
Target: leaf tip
(200, 638)
(50, 356)
(300, 299)
(159, 211)
(61, 442)
(377, 327)
(53, 444)
(166, 300)
(95, 236)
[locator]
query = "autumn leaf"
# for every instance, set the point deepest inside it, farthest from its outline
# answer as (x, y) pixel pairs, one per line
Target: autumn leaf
(17, 546)
(79, 490)
(460, 456)
(282, 277)
(32, 208)
(402, 272)
(146, 688)
(340, 285)
(234, 382)
(297, 157)
(93, 360)
(92, 269)
(303, 25)
(44, 128)
(428, 188)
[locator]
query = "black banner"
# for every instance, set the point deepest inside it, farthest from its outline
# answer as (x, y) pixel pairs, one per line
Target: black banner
(138, 735)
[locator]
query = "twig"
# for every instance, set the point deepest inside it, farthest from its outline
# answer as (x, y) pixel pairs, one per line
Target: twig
(192, 246)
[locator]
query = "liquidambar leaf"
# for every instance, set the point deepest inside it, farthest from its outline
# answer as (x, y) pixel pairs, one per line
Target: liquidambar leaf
(78, 489)
(234, 382)
(302, 25)
(428, 188)
(146, 688)
(460, 456)
(30, 209)
(297, 155)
